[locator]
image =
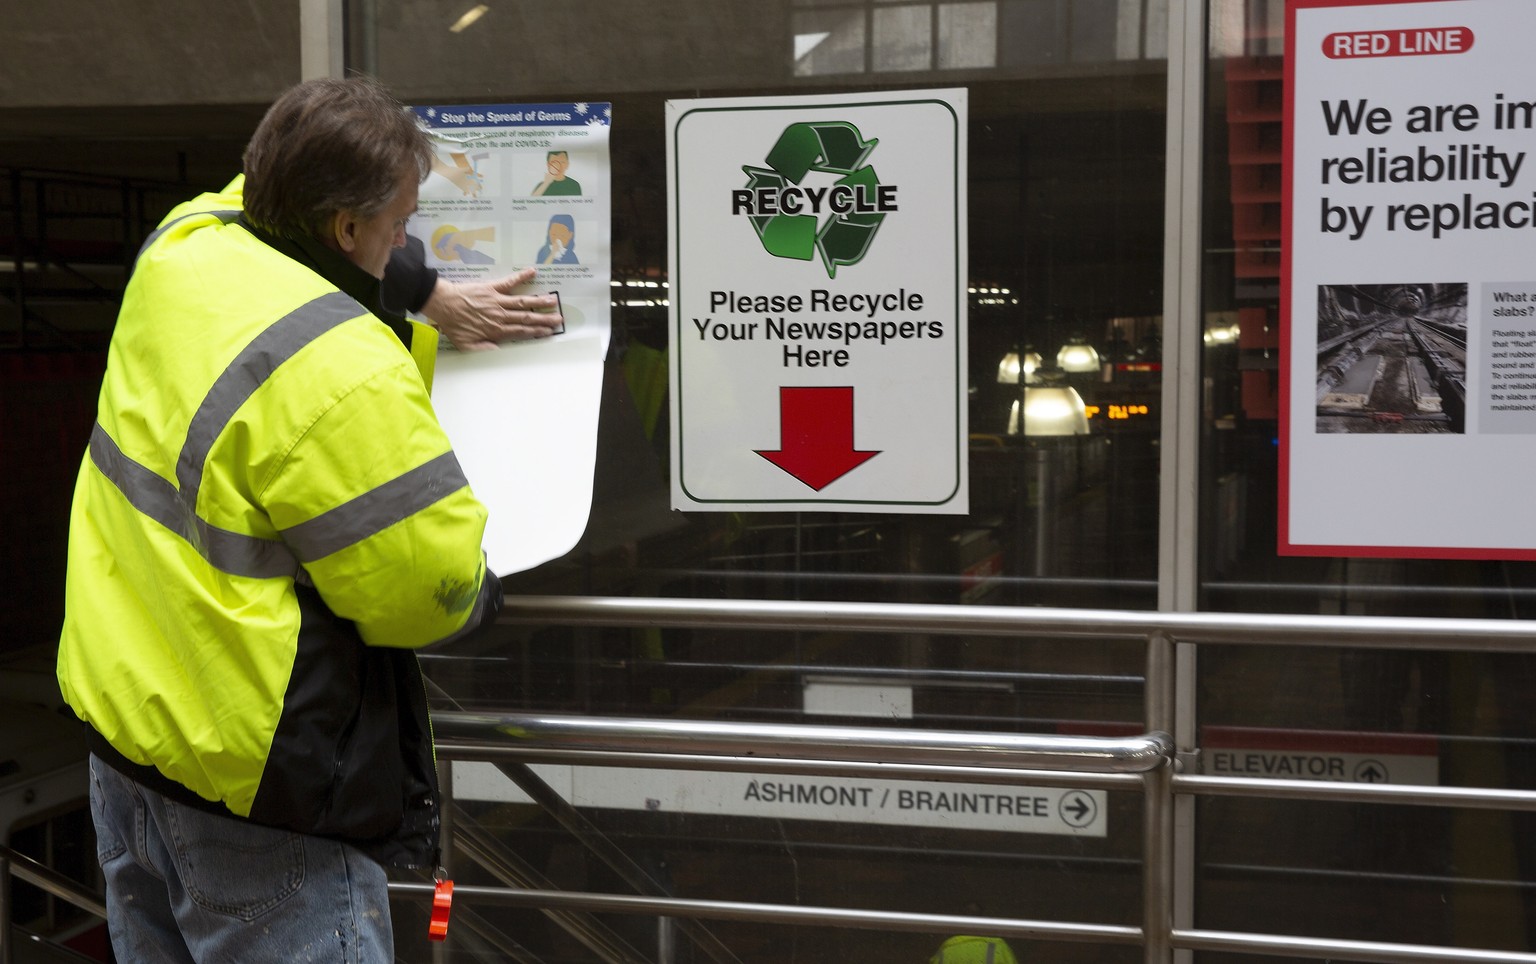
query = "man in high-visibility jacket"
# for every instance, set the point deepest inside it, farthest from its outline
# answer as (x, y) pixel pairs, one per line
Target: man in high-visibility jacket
(269, 521)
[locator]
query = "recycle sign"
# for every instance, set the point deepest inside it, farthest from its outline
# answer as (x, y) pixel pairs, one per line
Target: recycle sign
(834, 147)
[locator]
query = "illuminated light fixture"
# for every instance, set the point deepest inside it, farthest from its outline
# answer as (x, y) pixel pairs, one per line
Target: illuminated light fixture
(1077, 356)
(1008, 369)
(1017, 363)
(1222, 334)
(470, 16)
(1050, 410)
(1031, 363)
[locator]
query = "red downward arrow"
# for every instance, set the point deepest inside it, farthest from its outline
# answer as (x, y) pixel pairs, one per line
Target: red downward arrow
(816, 435)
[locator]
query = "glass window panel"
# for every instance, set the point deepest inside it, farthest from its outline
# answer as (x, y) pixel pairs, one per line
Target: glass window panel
(1094, 28)
(930, 870)
(1066, 206)
(1066, 197)
(1065, 221)
(967, 35)
(1240, 568)
(1128, 27)
(1453, 876)
(1154, 38)
(1327, 870)
(1033, 32)
(902, 38)
(828, 42)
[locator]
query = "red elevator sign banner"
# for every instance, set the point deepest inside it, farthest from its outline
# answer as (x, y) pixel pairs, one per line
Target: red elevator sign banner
(1408, 291)
(818, 302)
(1340, 757)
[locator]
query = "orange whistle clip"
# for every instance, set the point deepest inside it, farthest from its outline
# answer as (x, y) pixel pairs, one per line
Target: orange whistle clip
(442, 906)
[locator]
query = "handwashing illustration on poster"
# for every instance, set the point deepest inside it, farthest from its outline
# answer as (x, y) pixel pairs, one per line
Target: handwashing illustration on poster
(513, 186)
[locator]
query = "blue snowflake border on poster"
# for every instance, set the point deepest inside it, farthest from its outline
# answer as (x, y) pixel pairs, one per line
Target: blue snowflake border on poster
(579, 114)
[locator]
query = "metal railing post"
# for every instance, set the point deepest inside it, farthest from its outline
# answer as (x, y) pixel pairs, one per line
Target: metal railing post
(1157, 872)
(19, 263)
(445, 861)
(1158, 883)
(666, 940)
(5, 909)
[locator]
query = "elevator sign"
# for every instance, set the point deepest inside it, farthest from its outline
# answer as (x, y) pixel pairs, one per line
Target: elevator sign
(1339, 757)
(818, 304)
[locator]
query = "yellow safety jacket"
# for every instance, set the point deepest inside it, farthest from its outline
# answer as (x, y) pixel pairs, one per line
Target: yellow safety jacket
(267, 524)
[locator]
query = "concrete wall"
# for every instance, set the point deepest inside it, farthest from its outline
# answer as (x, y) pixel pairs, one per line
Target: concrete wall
(77, 53)
(593, 48)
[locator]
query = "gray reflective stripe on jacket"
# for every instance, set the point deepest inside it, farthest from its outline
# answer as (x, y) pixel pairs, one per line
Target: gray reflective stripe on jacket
(231, 552)
(225, 217)
(174, 505)
(376, 510)
(249, 371)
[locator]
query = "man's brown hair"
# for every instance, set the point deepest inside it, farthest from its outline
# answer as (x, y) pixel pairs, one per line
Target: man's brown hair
(327, 146)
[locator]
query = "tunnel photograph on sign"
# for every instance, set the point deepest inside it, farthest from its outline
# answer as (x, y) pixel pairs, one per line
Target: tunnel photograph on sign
(1392, 358)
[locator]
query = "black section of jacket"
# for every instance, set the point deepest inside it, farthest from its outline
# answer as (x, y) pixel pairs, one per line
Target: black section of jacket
(408, 282)
(352, 757)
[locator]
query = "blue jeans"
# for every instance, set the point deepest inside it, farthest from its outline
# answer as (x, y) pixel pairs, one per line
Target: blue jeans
(185, 886)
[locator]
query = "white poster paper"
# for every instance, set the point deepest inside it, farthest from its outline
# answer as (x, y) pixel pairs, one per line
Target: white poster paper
(1408, 286)
(514, 185)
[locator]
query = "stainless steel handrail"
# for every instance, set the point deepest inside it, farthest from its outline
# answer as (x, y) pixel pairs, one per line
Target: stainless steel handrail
(826, 749)
(1472, 798)
(1238, 629)
(786, 913)
(1159, 631)
(22, 867)
(835, 750)
(1118, 763)
(1002, 776)
(802, 742)
(1316, 948)
(50, 881)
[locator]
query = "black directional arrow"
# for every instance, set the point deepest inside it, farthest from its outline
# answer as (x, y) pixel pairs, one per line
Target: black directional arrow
(1370, 772)
(1078, 809)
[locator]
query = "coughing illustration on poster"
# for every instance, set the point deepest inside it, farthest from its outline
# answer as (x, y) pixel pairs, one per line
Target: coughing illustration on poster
(1408, 289)
(513, 186)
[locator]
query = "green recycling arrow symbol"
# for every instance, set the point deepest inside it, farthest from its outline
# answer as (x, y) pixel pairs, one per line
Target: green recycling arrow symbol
(834, 147)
